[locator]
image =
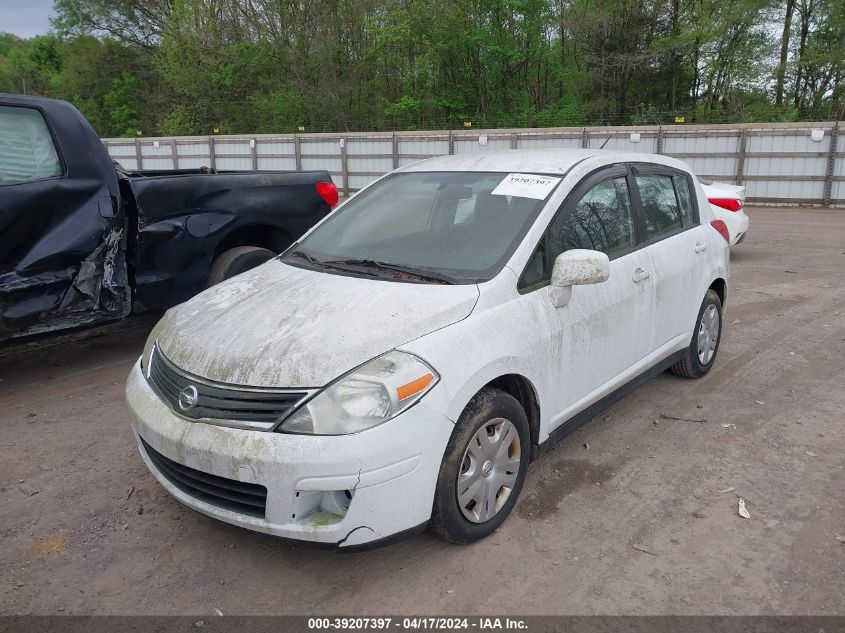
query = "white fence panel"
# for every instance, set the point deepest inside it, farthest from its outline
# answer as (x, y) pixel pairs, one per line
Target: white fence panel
(310, 146)
(127, 163)
(232, 147)
(533, 141)
(234, 164)
(424, 146)
(191, 163)
(721, 169)
(784, 189)
(371, 147)
(158, 163)
(275, 146)
(368, 164)
(156, 148)
(778, 162)
(277, 164)
(475, 146)
(624, 143)
(192, 149)
(703, 144)
(794, 166)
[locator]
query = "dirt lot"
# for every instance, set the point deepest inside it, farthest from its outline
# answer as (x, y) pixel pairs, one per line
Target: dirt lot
(643, 522)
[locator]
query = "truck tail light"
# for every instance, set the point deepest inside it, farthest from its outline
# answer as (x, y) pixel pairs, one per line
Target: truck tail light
(729, 204)
(328, 192)
(722, 228)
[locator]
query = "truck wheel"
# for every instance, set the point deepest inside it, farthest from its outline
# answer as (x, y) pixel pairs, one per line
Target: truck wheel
(236, 261)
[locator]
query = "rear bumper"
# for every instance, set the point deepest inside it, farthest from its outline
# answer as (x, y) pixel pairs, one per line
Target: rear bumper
(737, 223)
(389, 471)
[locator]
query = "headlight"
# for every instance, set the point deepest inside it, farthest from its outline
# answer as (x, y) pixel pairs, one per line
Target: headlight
(367, 396)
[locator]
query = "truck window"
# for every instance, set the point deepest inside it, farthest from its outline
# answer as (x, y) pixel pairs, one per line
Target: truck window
(27, 152)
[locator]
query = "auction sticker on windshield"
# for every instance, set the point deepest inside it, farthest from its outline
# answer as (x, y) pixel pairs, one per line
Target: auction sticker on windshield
(526, 186)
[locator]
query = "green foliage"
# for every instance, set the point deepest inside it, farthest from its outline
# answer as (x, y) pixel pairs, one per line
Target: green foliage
(181, 121)
(648, 114)
(124, 105)
(190, 66)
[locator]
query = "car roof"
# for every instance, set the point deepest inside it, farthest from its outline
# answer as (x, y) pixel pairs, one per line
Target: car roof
(543, 161)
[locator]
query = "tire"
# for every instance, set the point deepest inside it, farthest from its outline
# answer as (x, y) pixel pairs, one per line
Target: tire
(490, 409)
(236, 261)
(693, 365)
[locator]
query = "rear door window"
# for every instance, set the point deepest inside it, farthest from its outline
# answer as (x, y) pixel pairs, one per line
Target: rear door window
(661, 208)
(684, 199)
(27, 151)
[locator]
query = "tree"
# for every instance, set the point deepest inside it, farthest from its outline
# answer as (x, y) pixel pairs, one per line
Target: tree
(784, 51)
(193, 66)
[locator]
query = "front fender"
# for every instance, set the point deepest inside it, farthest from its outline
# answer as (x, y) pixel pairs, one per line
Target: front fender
(485, 346)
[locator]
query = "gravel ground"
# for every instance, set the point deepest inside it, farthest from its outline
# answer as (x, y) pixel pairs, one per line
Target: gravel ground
(643, 521)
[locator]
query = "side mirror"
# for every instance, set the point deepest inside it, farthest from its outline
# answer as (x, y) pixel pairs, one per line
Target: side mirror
(577, 267)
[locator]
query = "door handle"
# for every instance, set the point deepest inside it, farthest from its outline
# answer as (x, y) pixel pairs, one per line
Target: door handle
(700, 247)
(640, 274)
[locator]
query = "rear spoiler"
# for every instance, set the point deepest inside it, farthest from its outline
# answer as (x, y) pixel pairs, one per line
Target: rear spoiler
(737, 191)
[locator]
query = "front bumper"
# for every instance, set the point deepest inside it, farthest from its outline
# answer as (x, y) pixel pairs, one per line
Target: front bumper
(390, 471)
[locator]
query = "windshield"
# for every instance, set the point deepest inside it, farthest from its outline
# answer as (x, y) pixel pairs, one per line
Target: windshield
(446, 227)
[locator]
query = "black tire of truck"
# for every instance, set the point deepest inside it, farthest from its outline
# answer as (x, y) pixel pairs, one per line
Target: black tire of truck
(236, 261)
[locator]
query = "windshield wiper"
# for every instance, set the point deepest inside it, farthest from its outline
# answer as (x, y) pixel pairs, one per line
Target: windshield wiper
(319, 263)
(310, 259)
(394, 268)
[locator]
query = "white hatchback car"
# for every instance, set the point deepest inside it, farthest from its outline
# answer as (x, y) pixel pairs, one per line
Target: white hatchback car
(402, 363)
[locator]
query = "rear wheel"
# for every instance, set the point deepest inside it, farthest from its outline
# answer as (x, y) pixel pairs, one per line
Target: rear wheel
(236, 261)
(483, 469)
(701, 353)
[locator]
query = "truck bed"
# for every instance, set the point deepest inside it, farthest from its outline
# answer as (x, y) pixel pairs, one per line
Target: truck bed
(184, 219)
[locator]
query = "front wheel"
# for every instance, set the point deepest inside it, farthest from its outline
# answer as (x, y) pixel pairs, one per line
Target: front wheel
(483, 469)
(701, 353)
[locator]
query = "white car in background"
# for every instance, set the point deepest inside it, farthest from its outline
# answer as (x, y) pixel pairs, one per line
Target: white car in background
(402, 363)
(728, 202)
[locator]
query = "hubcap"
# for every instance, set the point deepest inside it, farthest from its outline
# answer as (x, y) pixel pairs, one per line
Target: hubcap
(489, 469)
(708, 334)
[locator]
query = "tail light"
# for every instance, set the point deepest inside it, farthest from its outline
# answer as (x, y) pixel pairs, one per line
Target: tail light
(729, 204)
(328, 192)
(722, 228)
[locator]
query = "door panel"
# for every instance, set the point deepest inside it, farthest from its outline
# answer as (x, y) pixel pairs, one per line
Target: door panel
(605, 329)
(676, 246)
(61, 256)
(678, 281)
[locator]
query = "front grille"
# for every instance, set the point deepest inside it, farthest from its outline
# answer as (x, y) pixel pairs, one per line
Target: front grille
(253, 408)
(230, 494)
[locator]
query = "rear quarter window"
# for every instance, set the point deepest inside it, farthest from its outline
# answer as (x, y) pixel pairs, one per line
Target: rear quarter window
(27, 152)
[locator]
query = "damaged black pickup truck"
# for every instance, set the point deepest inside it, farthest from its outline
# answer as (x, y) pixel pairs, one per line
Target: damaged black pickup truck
(83, 241)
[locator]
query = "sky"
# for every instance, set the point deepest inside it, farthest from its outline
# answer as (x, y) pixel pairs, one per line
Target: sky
(25, 17)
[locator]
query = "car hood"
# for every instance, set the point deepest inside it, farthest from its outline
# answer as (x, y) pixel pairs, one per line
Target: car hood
(283, 326)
